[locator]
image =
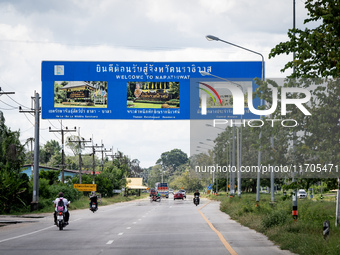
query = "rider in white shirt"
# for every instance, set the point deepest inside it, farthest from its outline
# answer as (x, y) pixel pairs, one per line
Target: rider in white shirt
(66, 205)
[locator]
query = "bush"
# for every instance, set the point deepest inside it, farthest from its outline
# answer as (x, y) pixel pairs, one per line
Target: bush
(275, 218)
(48, 193)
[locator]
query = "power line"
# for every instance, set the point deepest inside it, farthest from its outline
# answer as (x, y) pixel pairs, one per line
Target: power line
(93, 159)
(36, 110)
(80, 141)
(5, 93)
(17, 102)
(62, 148)
(51, 124)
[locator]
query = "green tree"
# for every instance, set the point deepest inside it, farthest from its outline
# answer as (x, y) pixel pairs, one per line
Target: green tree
(317, 49)
(174, 89)
(155, 176)
(50, 149)
(171, 160)
(59, 95)
(51, 176)
(189, 180)
(13, 185)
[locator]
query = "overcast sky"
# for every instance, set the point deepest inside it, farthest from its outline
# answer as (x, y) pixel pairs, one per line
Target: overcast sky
(131, 30)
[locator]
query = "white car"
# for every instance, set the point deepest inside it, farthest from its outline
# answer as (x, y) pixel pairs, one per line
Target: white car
(183, 192)
(301, 193)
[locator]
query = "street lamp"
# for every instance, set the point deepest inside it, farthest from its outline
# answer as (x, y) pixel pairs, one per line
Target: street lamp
(213, 173)
(239, 150)
(214, 38)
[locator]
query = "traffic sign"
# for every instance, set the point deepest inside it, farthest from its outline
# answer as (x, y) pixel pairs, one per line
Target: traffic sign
(147, 90)
(85, 187)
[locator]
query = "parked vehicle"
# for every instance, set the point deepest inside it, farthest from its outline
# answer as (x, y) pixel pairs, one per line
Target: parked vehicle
(196, 200)
(178, 195)
(301, 193)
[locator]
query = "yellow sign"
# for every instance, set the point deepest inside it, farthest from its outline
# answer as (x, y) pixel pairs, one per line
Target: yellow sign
(85, 187)
(147, 188)
(229, 186)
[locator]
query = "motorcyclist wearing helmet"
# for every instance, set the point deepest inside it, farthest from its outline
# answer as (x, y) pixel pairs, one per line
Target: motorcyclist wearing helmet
(196, 194)
(93, 199)
(66, 205)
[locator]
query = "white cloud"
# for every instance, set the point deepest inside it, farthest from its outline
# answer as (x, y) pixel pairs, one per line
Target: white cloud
(131, 30)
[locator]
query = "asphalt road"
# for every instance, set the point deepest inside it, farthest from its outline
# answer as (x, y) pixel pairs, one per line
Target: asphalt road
(137, 227)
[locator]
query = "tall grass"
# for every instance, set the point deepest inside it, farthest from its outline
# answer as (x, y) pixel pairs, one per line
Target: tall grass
(303, 236)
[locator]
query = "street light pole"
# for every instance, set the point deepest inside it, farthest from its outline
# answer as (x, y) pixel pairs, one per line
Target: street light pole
(214, 38)
(239, 141)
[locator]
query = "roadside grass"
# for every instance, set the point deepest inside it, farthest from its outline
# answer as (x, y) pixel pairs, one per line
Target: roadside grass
(83, 203)
(275, 220)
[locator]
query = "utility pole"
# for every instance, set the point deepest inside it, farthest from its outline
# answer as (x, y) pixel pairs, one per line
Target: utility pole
(36, 110)
(80, 142)
(31, 139)
(62, 146)
(93, 159)
(102, 151)
(113, 156)
(5, 93)
(337, 207)
(294, 196)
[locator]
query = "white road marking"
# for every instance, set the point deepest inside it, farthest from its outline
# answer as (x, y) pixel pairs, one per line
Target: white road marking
(120, 234)
(31, 233)
(110, 242)
(134, 222)
(128, 228)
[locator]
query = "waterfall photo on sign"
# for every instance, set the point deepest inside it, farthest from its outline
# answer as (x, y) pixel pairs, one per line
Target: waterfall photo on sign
(80, 94)
(153, 94)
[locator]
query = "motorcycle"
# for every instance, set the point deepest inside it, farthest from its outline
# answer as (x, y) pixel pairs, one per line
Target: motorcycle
(93, 207)
(154, 198)
(61, 220)
(196, 200)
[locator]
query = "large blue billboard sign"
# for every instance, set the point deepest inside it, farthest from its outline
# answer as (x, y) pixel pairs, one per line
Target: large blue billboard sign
(148, 90)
